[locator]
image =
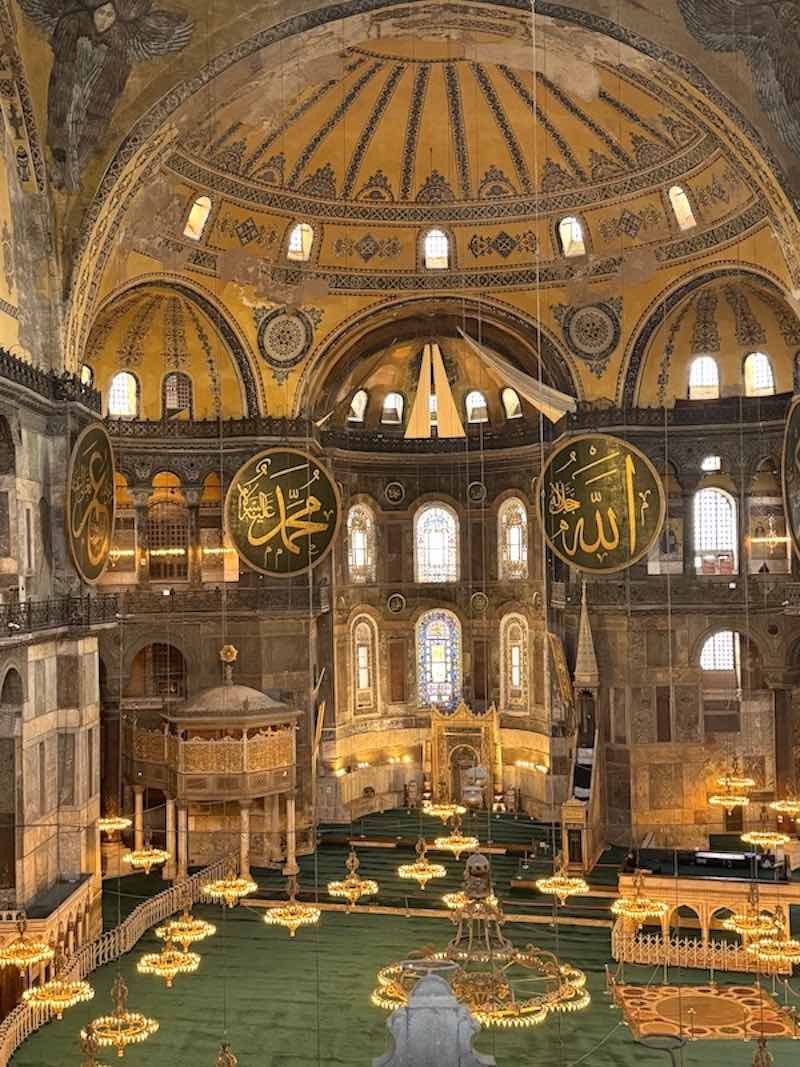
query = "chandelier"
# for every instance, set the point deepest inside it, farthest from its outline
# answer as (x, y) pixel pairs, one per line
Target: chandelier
(444, 811)
(422, 870)
(638, 908)
(186, 930)
(501, 985)
(144, 859)
(455, 841)
(90, 1047)
(226, 1057)
(561, 884)
(753, 922)
(230, 889)
(111, 824)
(733, 789)
(168, 963)
(24, 951)
(122, 1027)
(790, 807)
(777, 947)
(765, 838)
(454, 901)
(293, 914)
(59, 993)
(352, 888)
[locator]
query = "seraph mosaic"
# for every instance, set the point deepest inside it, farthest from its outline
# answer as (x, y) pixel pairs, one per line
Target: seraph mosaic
(282, 512)
(90, 502)
(95, 46)
(601, 503)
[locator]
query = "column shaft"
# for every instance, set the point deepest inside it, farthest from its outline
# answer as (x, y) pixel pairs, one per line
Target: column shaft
(170, 845)
(291, 837)
(183, 842)
(138, 816)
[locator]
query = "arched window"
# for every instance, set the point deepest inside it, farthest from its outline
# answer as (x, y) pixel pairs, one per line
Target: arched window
(392, 410)
(167, 541)
(436, 544)
(514, 663)
(758, 379)
(123, 396)
(87, 375)
(198, 217)
(361, 544)
(358, 406)
(157, 670)
(439, 673)
(301, 238)
(365, 664)
(512, 539)
(11, 694)
(177, 395)
(720, 652)
(570, 235)
(511, 403)
(711, 464)
(436, 250)
(477, 411)
(681, 207)
(715, 532)
(703, 379)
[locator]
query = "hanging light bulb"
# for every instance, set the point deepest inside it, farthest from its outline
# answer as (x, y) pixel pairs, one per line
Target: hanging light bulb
(122, 1027)
(455, 841)
(561, 884)
(168, 963)
(422, 870)
(352, 888)
(293, 914)
(59, 993)
(638, 908)
(24, 951)
(144, 859)
(230, 889)
(186, 930)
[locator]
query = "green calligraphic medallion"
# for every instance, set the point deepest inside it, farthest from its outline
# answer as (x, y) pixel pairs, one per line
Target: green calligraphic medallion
(601, 503)
(791, 473)
(282, 512)
(89, 505)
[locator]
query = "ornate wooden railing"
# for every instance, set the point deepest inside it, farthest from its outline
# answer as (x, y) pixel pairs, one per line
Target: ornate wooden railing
(264, 750)
(650, 949)
(24, 1020)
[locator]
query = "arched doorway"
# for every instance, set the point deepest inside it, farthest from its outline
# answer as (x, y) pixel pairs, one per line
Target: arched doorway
(462, 759)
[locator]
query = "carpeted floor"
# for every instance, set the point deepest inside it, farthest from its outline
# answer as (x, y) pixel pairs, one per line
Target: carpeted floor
(301, 1002)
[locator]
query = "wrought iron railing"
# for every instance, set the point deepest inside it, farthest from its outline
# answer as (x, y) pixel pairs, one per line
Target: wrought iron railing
(27, 616)
(683, 591)
(185, 601)
(57, 388)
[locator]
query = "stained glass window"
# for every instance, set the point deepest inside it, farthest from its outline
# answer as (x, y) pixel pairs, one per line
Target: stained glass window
(514, 660)
(361, 544)
(715, 533)
(512, 533)
(364, 664)
(439, 673)
(436, 544)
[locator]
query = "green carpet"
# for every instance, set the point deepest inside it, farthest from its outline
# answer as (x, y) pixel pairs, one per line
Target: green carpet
(304, 1002)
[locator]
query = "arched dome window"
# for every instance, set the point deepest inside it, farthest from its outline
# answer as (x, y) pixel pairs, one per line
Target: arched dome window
(758, 378)
(681, 208)
(703, 379)
(177, 396)
(512, 539)
(720, 652)
(197, 219)
(301, 238)
(361, 544)
(570, 236)
(439, 671)
(358, 406)
(392, 410)
(514, 663)
(715, 532)
(436, 250)
(475, 403)
(365, 660)
(87, 374)
(511, 403)
(123, 396)
(436, 557)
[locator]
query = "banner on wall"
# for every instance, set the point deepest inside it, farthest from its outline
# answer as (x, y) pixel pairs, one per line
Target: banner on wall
(89, 504)
(282, 512)
(601, 503)
(790, 473)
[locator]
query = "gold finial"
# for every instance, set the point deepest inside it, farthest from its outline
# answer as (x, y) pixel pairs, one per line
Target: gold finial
(351, 863)
(228, 655)
(226, 1058)
(119, 995)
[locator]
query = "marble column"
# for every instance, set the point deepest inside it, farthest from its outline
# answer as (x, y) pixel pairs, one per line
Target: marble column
(195, 560)
(183, 842)
(244, 838)
(138, 816)
(141, 511)
(171, 865)
(291, 837)
(275, 850)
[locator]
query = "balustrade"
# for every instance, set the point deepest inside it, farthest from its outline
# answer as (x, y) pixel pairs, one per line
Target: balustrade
(261, 751)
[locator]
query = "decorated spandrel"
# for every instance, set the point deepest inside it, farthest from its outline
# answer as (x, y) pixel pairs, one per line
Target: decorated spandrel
(282, 512)
(90, 502)
(791, 473)
(601, 503)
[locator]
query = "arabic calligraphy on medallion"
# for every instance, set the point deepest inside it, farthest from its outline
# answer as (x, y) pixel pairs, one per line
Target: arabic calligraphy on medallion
(791, 473)
(90, 502)
(601, 503)
(282, 512)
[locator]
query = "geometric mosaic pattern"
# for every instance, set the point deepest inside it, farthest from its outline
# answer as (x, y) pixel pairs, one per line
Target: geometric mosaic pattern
(705, 1013)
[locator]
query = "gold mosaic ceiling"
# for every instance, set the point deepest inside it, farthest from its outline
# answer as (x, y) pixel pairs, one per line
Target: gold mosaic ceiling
(410, 121)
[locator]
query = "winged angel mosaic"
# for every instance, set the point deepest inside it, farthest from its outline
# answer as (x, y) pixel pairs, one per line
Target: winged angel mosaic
(95, 46)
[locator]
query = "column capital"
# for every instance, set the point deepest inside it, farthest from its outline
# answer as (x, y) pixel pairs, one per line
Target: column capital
(245, 804)
(138, 788)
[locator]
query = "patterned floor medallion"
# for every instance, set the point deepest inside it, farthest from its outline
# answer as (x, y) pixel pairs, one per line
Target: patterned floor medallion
(703, 1012)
